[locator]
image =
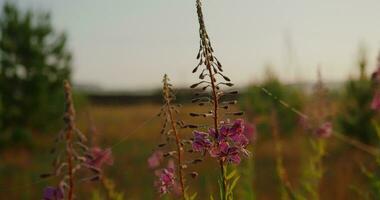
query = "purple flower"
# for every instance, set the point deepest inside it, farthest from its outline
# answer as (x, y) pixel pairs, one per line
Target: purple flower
(225, 152)
(201, 141)
(155, 159)
(250, 132)
(228, 144)
(53, 193)
(166, 179)
(324, 130)
(238, 127)
(375, 104)
(100, 157)
(240, 140)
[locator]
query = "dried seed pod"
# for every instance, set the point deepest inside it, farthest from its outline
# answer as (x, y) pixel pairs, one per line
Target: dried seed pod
(46, 175)
(161, 145)
(194, 114)
(195, 161)
(194, 174)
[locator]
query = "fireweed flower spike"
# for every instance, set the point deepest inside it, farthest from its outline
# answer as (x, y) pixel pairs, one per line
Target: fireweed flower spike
(73, 156)
(221, 141)
(171, 178)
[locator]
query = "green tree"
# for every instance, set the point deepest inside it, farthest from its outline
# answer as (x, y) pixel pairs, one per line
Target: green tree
(259, 104)
(34, 62)
(355, 114)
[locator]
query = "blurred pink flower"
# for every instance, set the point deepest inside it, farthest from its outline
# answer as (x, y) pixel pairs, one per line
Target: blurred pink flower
(155, 159)
(166, 179)
(201, 141)
(53, 193)
(324, 130)
(100, 157)
(250, 131)
(375, 104)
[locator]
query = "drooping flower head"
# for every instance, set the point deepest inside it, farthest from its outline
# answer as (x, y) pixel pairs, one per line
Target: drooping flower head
(53, 193)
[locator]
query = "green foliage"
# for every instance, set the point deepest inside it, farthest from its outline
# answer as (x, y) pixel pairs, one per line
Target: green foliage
(355, 114)
(33, 64)
(260, 104)
(373, 176)
(190, 197)
(231, 179)
(313, 169)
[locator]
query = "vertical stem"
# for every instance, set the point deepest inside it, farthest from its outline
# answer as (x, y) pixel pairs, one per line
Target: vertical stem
(224, 179)
(69, 122)
(167, 97)
(179, 150)
(286, 188)
(208, 60)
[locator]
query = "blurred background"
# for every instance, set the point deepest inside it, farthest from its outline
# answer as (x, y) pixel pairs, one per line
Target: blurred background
(115, 54)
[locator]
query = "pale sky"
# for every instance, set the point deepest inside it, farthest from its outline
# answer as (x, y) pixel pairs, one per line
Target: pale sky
(125, 44)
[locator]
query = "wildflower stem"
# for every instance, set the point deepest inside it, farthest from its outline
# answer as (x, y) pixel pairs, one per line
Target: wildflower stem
(69, 129)
(224, 179)
(179, 149)
(167, 97)
(208, 62)
(287, 190)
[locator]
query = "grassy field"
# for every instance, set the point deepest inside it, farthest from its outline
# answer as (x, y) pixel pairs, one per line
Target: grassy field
(133, 132)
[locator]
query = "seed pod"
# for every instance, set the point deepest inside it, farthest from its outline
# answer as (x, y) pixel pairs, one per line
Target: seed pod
(162, 145)
(194, 174)
(238, 113)
(46, 175)
(195, 161)
(194, 114)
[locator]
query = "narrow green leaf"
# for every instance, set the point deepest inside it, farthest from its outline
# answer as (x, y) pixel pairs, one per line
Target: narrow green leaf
(231, 175)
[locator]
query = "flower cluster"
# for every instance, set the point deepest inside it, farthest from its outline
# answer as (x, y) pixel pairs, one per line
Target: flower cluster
(166, 177)
(226, 144)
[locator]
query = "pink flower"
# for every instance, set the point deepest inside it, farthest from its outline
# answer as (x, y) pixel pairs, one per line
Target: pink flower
(166, 179)
(155, 159)
(53, 193)
(324, 130)
(225, 152)
(375, 104)
(376, 76)
(201, 141)
(238, 127)
(100, 157)
(228, 144)
(250, 132)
